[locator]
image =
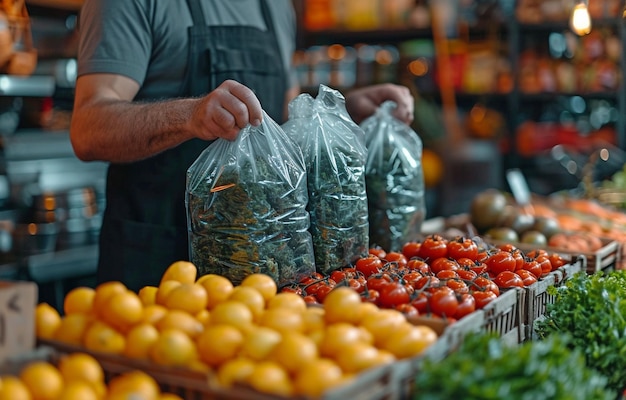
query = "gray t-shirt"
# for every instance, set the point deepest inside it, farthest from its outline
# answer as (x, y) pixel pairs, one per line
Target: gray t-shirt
(146, 40)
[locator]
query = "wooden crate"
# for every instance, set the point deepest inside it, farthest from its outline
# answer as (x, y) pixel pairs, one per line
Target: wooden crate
(18, 300)
(503, 316)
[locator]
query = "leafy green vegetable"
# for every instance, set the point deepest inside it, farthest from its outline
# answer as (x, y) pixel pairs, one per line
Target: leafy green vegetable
(592, 309)
(484, 367)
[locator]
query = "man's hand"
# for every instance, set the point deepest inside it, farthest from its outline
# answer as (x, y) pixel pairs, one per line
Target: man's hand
(363, 102)
(225, 111)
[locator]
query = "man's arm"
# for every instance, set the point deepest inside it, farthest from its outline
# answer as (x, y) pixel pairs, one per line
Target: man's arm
(107, 125)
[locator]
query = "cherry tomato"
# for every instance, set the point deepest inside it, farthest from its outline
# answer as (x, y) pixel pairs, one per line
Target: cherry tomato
(411, 249)
(483, 297)
(408, 310)
(519, 257)
(500, 261)
(310, 299)
(447, 274)
(368, 265)
(508, 279)
(420, 302)
(462, 247)
(467, 305)
(292, 289)
(457, 285)
(427, 283)
(507, 247)
(356, 285)
(378, 281)
(378, 252)
(443, 302)
(397, 258)
(339, 275)
(417, 264)
(393, 294)
(442, 264)
(527, 277)
(536, 253)
(557, 261)
(532, 266)
(466, 274)
(434, 246)
(477, 266)
(371, 296)
(483, 283)
(322, 292)
(546, 265)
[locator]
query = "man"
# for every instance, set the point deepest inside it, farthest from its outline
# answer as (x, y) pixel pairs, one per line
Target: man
(157, 81)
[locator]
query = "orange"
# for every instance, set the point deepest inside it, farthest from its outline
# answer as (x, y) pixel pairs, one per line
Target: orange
(218, 289)
(80, 367)
(338, 335)
(104, 338)
(282, 320)
(232, 313)
(123, 310)
(12, 388)
(147, 294)
(134, 384)
(265, 284)
(269, 377)
(315, 378)
(409, 340)
(382, 324)
(219, 343)
(43, 380)
(202, 278)
(79, 300)
(204, 316)
(313, 319)
(190, 297)
(259, 342)
(294, 351)
(173, 348)
(153, 313)
(288, 300)
(181, 320)
(139, 340)
(236, 370)
(251, 297)
(103, 292)
(79, 390)
(358, 356)
(72, 329)
(164, 290)
(47, 321)
(181, 271)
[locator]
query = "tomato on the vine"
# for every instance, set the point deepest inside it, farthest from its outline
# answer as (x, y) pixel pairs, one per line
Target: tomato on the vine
(557, 260)
(397, 258)
(458, 285)
(442, 264)
(370, 295)
(474, 265)
(466, 274)
(508, 279)
(483, 297)
(443, 302)
(409, 310)
(417, 264)
(531, 265)
(527, 277)
(546, 265)
(462, 247)
(500, 261)
(368, 265)
(482, 283)
(356, 285)
(310, 299)
(393, 294)
(322, 292)
(429, 282)
(434, 246)
(447, 274)
(378, 281)
(339, 275)
(467, 305)
(420, 302)
(377, 251)
(411, 249)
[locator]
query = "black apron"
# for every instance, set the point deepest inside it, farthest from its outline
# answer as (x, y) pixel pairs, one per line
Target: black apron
(144, 228)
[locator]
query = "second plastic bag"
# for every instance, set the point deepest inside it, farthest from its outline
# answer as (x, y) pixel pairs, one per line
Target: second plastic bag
(246, 207)
(334, 151)
(395, 179)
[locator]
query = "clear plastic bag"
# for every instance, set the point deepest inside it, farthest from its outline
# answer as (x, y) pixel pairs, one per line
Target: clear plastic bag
(394, 179)
(334, 151)
(246, 207)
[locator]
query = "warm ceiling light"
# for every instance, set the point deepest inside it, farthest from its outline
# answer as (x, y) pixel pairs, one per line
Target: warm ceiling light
(580, 20)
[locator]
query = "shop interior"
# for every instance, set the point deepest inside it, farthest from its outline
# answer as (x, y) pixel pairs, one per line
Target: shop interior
(499, 86)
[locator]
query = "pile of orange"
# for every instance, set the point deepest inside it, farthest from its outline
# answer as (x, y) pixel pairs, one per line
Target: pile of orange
(248, 334)
(77, 376)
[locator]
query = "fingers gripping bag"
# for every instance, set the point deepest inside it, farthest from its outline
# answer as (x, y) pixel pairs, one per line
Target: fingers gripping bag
(394, 179)
(246, 207)
(334, 152)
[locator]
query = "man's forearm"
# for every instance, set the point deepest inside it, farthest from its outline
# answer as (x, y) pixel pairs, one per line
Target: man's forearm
(123, 131)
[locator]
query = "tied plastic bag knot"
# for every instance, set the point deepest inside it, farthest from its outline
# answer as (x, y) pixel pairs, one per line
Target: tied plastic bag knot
(394, 179)
(246, 207)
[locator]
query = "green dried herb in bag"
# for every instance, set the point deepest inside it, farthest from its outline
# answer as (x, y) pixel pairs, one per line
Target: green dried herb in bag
(334, 151)
(394, 179)
(246, 207)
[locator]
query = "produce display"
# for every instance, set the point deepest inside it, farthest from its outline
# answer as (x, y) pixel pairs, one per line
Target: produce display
(438, 277)
(248, 334)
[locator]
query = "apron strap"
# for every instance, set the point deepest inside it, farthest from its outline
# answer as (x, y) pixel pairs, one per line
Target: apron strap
(197, 15)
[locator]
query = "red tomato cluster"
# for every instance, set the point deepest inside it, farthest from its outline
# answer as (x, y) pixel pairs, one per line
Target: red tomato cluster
(448, 278)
